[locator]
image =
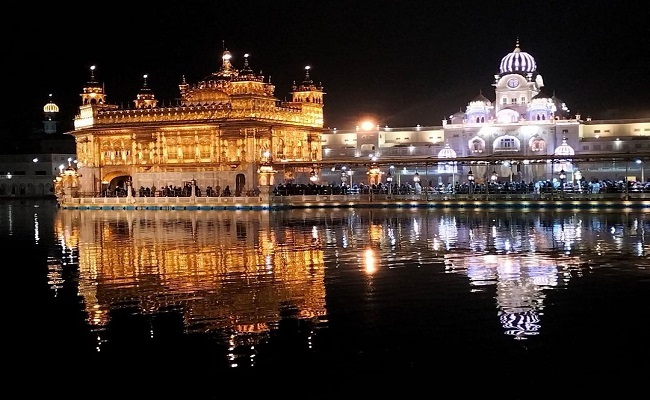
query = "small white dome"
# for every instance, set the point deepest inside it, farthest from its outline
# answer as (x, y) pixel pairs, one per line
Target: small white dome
(564, 149)
(447, 152)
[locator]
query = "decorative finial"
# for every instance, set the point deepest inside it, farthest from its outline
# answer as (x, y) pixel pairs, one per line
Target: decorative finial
(92, 73)
(145, 79)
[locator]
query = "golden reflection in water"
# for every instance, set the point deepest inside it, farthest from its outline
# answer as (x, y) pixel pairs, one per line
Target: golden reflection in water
(205, 263)
(235, 271)
(370, 262)
(376, 232)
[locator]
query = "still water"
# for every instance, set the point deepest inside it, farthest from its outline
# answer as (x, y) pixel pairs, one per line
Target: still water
(523, 294)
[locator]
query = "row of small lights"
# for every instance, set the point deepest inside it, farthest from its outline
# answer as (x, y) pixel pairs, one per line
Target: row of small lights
(416, 177)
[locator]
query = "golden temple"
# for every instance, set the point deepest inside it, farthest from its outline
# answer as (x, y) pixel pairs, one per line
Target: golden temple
(222, 130)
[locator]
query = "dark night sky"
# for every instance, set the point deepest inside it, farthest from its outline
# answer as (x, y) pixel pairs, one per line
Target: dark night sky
(400, 62)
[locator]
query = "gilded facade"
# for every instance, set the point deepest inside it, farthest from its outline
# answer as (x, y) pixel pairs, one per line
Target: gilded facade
(220, 132)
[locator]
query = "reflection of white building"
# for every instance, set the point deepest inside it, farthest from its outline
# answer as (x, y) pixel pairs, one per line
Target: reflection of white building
(519, 280)
(522, 120)
(508, 263)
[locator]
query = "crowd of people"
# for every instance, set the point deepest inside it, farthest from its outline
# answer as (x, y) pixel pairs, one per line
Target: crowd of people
(298, 189)
(497, 187)
(186, 191)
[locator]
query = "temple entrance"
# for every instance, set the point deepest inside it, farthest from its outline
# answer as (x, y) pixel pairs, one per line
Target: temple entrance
(116, 186)
(240, 184)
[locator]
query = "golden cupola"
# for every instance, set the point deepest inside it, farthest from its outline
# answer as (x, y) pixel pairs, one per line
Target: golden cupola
(307, 91)
(145, 97)
(308, 97)
(93, 92)
(229, 87)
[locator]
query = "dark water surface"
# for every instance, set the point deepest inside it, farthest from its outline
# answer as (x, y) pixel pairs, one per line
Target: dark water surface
(530, 300)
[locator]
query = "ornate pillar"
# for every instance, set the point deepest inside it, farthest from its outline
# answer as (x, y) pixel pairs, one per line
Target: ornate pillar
(266, 179)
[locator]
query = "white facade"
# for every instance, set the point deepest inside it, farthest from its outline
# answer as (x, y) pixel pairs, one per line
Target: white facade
(31, 175)
(522, 121)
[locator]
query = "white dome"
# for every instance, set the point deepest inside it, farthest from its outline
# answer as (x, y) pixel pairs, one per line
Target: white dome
(564, 149)
(518, 62)
(447, 152)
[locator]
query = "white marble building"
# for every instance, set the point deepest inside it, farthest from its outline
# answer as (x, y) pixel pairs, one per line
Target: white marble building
(522, 120)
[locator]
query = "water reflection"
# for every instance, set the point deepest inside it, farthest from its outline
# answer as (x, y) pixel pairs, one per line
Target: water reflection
(228, 273)
(237, 275)
(525, 258)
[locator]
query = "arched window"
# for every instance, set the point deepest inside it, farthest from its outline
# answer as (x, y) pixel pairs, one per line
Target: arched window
(537, 144)
(506, 143)
(476, 145)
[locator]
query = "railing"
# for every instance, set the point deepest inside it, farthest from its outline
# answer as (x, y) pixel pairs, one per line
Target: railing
(356, 199)
(433, 197)
(162, 200)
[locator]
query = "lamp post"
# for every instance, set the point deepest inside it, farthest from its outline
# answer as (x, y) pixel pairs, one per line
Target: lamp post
(374, 174)
(562, 178)
(470, 179)
(509, 165)
(578, 177)
(313, 176)
(494, 176)
(493, 180)
(350, 172)
(416, 181)
(389, 182)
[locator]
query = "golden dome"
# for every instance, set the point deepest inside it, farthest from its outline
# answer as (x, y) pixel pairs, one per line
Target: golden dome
(50, 107)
